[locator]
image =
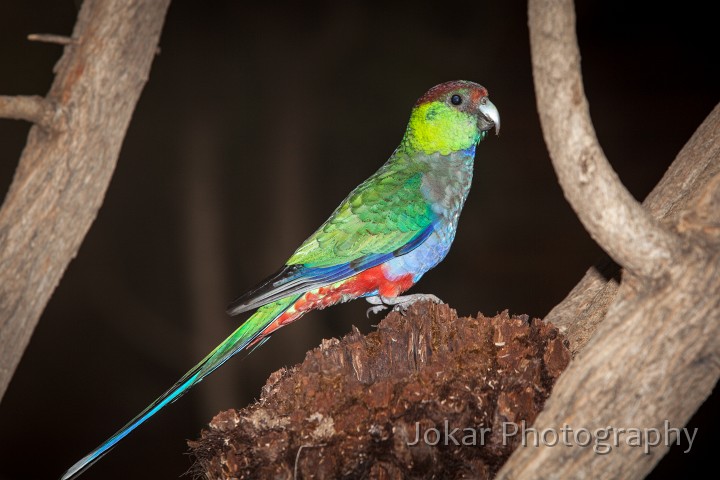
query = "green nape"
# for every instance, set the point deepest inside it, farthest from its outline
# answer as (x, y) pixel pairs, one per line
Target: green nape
(437, 127)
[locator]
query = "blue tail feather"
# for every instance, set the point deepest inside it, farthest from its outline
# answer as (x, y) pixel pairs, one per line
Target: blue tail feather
(239, 340)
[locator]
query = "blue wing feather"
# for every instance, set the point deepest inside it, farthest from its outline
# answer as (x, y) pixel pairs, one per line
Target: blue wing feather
(298, 279)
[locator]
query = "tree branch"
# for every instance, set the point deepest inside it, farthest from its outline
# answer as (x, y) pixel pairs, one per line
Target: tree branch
(655, 356)
(61, 179)
(607, 210)
(32, 108)
(586, 305)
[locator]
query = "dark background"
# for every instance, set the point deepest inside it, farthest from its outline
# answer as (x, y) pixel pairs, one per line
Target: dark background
(256, 122)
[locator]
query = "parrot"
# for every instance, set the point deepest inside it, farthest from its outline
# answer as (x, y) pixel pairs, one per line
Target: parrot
(390, 230)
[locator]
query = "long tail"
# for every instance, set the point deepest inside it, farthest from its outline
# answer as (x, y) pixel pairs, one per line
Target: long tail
(246, 335)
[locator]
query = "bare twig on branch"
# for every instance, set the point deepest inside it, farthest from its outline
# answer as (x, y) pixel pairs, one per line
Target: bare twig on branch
(33, 109)
(62, 177)
(51, 38)
(655, 356)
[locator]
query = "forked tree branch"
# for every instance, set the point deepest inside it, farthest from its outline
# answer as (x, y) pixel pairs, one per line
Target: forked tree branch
(655, 355)
(63, 174)
(697, 163)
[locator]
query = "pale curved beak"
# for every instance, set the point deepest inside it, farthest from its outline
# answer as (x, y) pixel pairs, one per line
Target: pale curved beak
(491, 115)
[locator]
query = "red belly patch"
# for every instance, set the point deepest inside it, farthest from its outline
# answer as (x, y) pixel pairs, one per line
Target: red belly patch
(370, 280)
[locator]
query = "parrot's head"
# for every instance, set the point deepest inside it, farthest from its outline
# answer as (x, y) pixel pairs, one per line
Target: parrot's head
(450, 117)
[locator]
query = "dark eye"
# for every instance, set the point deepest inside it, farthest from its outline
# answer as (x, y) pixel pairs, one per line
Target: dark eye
(456, 99)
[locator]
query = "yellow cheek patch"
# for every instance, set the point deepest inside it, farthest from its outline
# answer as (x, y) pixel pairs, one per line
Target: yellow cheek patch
(437, 127)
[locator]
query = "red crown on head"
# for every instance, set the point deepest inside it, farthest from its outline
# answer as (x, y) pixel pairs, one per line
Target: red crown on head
(438, 92)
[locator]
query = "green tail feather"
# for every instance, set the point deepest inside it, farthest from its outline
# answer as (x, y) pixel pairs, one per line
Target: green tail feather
(238, 341)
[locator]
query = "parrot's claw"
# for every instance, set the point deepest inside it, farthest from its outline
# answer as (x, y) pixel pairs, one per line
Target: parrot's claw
(375, 309)
(399, 304)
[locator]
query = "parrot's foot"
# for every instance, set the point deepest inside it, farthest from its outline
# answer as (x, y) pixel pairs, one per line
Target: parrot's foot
(399, 304)
(379, 305)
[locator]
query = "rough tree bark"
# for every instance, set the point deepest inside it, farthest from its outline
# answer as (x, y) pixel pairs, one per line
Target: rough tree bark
(71, 152)
(656, 354)
(407, 401)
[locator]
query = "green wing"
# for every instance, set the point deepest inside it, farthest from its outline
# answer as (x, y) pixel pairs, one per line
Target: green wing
(386, 215)
(381, 215)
